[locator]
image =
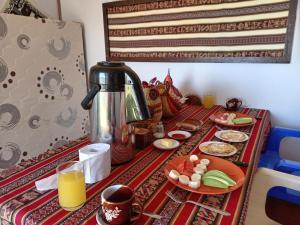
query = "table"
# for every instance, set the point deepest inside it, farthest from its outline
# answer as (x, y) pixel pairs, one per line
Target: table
(21, 203)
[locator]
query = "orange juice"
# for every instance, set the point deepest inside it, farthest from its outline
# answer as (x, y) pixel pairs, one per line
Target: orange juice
(71, 190)
(208, 101)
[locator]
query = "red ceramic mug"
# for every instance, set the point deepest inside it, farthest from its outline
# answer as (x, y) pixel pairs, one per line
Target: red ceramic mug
(117, 205)
(233, 104)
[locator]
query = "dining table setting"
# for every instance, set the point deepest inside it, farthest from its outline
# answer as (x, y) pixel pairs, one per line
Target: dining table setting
(198, 169)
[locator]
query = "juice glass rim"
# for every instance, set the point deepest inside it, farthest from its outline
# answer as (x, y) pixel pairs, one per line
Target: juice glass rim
(65, 165)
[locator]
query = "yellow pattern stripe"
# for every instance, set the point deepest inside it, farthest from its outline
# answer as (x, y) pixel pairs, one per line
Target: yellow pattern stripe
(201, 35)
(202, 48)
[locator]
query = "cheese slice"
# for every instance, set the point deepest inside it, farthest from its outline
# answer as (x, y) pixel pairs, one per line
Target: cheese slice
(194, 184)
(193, 158)
(198, 170)
(174, 174)
(184, 179)
(196, 177)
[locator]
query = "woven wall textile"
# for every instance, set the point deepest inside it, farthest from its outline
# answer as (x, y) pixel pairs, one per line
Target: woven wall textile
(200, 30)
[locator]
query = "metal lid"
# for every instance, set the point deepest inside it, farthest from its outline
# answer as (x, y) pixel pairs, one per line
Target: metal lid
(109, 75)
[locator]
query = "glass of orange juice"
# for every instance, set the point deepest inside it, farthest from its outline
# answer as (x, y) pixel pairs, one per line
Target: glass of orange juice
(208, 100)
(71, 185)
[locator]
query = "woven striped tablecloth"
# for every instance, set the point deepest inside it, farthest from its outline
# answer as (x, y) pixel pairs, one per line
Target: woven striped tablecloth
(21, 203)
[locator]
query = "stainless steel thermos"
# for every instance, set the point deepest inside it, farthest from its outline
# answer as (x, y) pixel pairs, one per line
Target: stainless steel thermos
(115, 99)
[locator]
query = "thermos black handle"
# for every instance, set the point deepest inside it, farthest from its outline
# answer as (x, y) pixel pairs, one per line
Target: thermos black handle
(86, 102)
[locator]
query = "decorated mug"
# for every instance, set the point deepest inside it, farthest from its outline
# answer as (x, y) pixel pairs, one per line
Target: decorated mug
(117, 205)
(233, 104)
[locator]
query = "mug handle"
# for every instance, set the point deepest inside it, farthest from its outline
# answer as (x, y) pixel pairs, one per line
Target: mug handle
(239, 103)
(140, 211)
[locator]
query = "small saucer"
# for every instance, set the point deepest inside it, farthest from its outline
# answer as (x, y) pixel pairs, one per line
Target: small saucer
(99, 219)
(179, 134)
(166, 144)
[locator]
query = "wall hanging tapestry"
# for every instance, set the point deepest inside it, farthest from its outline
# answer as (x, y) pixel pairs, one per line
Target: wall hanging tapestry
(42, 82)
(200, 30)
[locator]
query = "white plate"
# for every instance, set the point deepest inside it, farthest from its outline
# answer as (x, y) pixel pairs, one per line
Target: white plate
(166, 144)
(218, 134)
(185, 133)
(217, 154)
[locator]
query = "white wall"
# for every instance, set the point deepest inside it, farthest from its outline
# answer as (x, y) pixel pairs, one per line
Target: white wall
(271, 86)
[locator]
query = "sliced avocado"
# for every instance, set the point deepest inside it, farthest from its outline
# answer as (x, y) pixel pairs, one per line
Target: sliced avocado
(242, 120)
(216, 178)
(214, 172)
(210, 181)
(220, 174)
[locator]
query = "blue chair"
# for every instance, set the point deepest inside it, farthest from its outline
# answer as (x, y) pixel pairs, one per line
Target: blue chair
(282, 153)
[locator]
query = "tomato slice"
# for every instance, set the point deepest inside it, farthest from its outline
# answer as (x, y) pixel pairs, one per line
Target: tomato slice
(188, 166)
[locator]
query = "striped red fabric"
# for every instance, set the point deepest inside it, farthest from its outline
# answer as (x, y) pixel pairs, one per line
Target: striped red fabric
(21, 203)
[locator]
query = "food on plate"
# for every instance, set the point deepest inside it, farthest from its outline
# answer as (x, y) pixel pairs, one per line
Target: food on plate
(174, 174)
(242, 120)
(194, 184)
(199, 170)
(184, 179)
(191, 172)
(215, 182)
(193, 158)
(205, 161)
(220, 174)
(187, 126)
(201, 166)
(167, 143)
(233, 119)
(196, 177)
(226, 118)
(217, 178)
(178, 136)
(220, 148)
(232, 135)
(188, 165)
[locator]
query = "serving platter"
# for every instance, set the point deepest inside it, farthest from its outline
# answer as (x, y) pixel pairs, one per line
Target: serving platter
(233, 171)
(217, 117)
(217, 145)
(232, 136)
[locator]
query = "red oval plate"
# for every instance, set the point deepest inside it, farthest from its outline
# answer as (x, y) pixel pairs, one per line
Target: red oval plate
(233, 171)
(238, 115)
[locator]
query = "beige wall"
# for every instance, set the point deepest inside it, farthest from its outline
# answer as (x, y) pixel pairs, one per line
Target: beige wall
(272, 86)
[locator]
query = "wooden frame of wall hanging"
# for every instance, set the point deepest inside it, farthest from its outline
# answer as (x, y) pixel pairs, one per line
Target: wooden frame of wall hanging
(258, 31)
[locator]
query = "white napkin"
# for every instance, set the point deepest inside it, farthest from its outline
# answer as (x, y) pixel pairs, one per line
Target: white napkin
(96, 160)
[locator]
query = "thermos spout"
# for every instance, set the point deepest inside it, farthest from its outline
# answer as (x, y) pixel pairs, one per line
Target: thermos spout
(87, 101)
